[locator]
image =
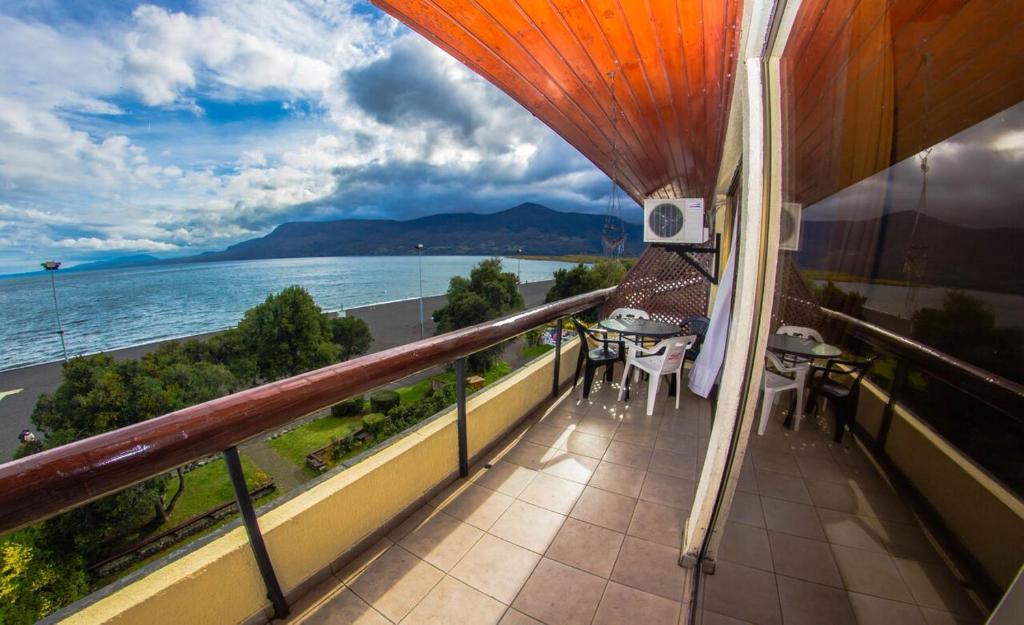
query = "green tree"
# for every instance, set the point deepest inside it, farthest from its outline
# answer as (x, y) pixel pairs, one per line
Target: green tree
(488, 294)
(352, 335)
(287, 334)
(584, 279)
(34, 581)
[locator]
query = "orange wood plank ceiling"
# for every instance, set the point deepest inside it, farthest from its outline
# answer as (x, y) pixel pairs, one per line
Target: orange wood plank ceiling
(674, 60)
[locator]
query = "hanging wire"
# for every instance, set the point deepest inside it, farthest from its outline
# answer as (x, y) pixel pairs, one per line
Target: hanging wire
(613, 236)
(916, 258)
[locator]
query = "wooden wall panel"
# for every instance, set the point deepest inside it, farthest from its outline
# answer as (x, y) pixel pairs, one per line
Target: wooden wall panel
(674, 59)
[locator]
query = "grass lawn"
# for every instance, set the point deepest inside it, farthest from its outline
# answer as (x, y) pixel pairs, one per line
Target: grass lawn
(296, 444)
(536, 350)
(208, 487)
(414, 393)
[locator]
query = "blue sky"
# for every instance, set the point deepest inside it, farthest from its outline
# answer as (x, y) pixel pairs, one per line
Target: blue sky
(173, 128)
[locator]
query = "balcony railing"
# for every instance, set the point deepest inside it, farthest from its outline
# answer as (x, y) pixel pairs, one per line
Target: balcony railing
(45, 484)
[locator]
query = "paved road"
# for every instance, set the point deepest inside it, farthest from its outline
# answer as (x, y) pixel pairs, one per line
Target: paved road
(391, 323)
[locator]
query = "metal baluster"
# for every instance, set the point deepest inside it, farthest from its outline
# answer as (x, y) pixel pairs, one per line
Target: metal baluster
(899, 381)
(558, 357)
(252, 528)
(460, 400)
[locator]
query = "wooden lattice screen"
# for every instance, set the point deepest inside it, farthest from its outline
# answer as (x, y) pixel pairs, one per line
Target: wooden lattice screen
(665, 285)
(795, 303)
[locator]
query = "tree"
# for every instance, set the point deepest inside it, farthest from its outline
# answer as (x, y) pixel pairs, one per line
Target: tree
(352, 335)
(34, 581)
(287, 334)
(584, 279)
(488, 294)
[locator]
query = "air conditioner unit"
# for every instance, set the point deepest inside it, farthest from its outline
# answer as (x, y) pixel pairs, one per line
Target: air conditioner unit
(789, 226)
(676, 220)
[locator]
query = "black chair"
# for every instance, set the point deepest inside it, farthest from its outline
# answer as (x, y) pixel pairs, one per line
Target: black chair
(607, 353)
(844, 397)
(696, 325)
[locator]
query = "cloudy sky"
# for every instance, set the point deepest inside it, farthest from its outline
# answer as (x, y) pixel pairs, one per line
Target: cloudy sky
(172, 128)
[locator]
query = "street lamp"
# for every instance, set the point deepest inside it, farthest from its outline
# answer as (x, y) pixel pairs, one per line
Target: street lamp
(419, 259)
(519, 264)
(51, 267)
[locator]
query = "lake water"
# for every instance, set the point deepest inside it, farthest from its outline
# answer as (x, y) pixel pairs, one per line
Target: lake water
(112, 308)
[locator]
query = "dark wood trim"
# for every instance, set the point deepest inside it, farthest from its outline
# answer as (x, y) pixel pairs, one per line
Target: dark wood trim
(42, 485)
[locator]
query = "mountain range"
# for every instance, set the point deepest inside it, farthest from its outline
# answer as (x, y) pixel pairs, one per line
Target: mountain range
(537, 229)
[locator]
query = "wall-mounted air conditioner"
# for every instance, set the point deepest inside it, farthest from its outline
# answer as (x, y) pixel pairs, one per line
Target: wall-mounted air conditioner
(789, 226)
(677, 220)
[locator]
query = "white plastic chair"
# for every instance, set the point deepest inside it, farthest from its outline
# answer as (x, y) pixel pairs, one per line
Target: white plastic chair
(668, 362)
(775, 382)
(801, 331)
(630, 341)
(795, 361)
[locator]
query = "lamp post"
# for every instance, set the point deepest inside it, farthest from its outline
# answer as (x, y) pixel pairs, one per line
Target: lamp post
(519, 264)
(51, 267)
(419, 260)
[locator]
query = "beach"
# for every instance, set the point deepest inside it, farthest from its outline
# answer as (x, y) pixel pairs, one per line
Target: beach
(391, 324)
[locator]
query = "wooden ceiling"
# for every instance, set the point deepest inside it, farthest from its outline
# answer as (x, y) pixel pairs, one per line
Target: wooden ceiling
(674, 62)
(867, 84)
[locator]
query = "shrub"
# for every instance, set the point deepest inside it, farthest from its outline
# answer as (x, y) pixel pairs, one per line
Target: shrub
(348, 408)
(384, 401)
(375, 422)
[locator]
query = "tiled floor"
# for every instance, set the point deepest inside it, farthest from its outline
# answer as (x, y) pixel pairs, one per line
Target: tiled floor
(817, 536)
(578, 518)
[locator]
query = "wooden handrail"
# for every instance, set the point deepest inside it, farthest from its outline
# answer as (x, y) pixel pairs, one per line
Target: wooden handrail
(994, 390)
(42, 485)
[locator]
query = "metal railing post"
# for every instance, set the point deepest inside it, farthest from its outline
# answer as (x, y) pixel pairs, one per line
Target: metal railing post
(460, 400)
(899, 381)
(252, 528)
(558, 357)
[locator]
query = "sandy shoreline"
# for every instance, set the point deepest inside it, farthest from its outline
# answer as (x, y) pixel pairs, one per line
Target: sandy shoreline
(391, 323)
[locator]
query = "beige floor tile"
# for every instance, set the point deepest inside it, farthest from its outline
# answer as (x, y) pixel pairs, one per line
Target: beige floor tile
(395, 582)
(452, 602)
(804, 603)
(934, 586)
(412, 522)
(530, 455)
(571, 466)
(639, 435)
(586, 445)
(515, 617)
(941, 617)
(870, 573)
(677, 443)
(904, 540)
(618, 479)
(855, 500)
(547, 435)
(553, 493)
(747, 545)
(441, 540)
(650, 567)
(742, 592)
(505, 477)
(714, 618)
(871, 610)
(666, 490)
(822, 470)
(851, 530)
(496, 567)
(528, 526)
(476, 505)
(604, 508)
(748, 479)
(782, 486)
(557, 594)
(628, 454)
(622, 604)
(675, 464)
(792, 518)
(803, 558)
(657, 523)
(746, 508)
(350, 570)
(777, 461)
(585, 546)
(342, 607)
(597, 426)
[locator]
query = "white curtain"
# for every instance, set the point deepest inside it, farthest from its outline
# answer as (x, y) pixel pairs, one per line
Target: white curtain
(709, 362)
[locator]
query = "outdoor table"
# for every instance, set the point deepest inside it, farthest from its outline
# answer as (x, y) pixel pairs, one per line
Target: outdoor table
(801, 347)
(643, 329)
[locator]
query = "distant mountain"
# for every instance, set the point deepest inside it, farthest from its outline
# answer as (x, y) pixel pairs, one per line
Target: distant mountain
(537, 229)
(986, 259)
